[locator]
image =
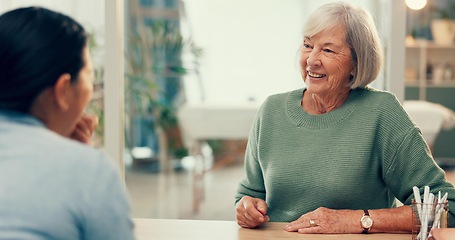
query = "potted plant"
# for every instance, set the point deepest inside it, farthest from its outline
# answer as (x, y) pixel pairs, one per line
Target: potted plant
(443, 24)
(153, 88)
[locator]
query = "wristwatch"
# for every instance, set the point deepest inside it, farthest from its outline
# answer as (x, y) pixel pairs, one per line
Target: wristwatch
(366, 221)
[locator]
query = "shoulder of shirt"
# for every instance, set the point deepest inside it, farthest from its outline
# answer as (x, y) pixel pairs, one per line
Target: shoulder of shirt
(379, 92)
(72, 150)
(386, 104)
(277, 101)
(379, 96)
(281, 97)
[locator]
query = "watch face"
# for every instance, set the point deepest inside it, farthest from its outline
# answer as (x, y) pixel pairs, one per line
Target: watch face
(366, 221)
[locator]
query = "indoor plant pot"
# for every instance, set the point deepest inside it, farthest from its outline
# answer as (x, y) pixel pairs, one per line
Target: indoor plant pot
(443, 31)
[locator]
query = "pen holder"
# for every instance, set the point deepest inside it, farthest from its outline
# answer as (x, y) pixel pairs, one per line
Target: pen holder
(426, 216)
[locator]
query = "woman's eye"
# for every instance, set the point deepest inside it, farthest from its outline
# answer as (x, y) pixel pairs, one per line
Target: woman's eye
(306, 45)
(328, 50)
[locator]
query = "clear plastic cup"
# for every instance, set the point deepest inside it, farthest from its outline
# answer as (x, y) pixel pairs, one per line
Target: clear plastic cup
(428, 216)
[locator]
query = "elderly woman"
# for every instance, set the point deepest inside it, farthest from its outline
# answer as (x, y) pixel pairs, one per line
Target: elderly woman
(52, 187)
(333, 156)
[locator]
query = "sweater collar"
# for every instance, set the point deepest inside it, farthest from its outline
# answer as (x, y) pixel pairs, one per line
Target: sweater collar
(303, 119)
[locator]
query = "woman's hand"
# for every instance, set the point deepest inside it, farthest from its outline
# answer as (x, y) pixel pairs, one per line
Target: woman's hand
(251, 212)
(325, 220)
(85, 128)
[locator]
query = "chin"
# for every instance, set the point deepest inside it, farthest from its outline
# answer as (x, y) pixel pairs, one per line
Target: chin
(315, 84)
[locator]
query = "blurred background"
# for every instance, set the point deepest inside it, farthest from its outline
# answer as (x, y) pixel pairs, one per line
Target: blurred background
(194, 72)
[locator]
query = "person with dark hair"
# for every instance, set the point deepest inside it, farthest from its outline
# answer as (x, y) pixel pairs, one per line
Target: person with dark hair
(333, 156)
(52, 186)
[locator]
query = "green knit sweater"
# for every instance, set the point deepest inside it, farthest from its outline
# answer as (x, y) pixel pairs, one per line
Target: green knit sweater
(362, 155)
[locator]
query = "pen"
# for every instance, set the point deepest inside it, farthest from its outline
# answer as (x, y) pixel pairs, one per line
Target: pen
(417, 200)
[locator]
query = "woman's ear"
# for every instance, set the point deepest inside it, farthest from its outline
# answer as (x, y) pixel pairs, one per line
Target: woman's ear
(62, 91)
(352, 73)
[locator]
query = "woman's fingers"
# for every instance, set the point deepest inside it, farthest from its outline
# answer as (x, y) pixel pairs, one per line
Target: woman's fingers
(84, 128)
(261, 206)
(248, 214)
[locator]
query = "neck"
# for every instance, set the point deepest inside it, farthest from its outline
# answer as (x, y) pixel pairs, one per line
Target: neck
(320, 104)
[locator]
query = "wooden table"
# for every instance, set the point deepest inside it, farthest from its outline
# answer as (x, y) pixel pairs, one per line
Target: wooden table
(171, 229)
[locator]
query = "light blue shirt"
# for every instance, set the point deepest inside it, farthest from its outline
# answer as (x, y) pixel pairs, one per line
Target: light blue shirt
(52, 187)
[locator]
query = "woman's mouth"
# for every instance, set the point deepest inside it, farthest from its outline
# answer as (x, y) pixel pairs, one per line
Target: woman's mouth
(315, 75)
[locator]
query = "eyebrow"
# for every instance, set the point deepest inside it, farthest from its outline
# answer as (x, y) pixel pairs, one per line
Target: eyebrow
(326, 43)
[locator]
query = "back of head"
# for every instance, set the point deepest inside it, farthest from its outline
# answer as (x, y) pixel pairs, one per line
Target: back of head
(361, 36)
(37, 45)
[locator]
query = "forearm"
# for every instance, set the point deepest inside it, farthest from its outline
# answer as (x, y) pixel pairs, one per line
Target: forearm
(387, 220)
(392, 220)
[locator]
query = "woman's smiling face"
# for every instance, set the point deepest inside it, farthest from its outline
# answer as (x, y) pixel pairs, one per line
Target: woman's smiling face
(326, 63)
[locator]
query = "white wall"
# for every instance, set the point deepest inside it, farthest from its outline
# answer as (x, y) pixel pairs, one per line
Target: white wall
(249, 47)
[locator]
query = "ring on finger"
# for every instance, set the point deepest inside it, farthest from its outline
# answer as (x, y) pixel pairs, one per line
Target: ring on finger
(312, 223)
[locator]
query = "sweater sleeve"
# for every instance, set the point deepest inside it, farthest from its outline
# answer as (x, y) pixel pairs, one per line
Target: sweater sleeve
(253, 183)
(413, 165)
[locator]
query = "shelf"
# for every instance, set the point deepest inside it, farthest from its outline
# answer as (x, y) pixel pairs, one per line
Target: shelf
(423, 53)
(428, 45)
(431, 84)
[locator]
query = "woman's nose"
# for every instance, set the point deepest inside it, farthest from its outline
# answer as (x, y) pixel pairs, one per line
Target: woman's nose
(313, 59)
